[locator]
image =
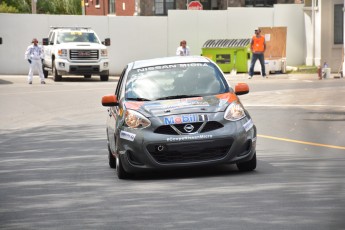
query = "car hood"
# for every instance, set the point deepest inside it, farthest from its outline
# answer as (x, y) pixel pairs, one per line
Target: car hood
(207, 104)
(81, 45)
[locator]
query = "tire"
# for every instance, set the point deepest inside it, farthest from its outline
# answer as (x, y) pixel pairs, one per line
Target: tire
(45, 73)
(248, 165)
(111, 158)
(56, 77)
(120, 171)
(104, 77)
(87, 76)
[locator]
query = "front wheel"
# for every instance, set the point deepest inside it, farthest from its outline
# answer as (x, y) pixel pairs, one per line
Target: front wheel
(111, 158)
(248, 165)
(56, 76)
(104, 77)
(120, 171)
(45, 73)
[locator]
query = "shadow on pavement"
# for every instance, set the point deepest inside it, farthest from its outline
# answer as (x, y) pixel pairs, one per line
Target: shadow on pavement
(4, 82)
(82, 79)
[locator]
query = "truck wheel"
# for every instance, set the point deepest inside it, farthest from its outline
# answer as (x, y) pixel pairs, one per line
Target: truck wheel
(45, 73)
(104, 77)
(87, 76)
(56, 77)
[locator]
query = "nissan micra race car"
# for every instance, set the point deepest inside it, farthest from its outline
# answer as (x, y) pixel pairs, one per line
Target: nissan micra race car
(175, 112)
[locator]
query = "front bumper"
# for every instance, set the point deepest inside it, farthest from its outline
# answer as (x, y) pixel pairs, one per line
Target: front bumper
(148, 150)
(65, 67)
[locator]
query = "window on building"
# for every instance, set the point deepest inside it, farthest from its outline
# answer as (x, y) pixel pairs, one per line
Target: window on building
(260, 3)
(97, 2)
(111, 4)
(338, 24)
(162, 6)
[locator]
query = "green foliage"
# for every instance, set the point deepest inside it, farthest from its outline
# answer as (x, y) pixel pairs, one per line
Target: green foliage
(307, 69)
(303, 69)
(70, 7)
(4, 8)
(15, 6)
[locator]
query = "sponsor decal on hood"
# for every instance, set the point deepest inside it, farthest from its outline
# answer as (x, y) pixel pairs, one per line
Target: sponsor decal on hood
(184, 118)
(184, 105)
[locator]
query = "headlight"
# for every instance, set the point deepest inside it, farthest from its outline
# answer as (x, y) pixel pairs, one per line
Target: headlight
(234, 112)
(136, 120)
(104, 52)
(62, 52)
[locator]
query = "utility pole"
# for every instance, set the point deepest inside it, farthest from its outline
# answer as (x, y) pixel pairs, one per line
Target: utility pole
(82, 7)
(33, 6)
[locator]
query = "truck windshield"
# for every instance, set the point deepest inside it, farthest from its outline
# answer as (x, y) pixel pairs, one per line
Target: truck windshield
(77, 36)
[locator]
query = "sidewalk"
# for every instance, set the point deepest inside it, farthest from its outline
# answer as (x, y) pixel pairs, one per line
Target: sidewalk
(14, 79)
(305, 76)
(244, 76)
(22, 79)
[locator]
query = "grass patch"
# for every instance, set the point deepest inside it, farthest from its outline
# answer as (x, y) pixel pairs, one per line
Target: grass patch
(305, 69)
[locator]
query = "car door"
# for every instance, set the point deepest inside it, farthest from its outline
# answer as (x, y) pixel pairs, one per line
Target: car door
(114, 113)
(48, 50)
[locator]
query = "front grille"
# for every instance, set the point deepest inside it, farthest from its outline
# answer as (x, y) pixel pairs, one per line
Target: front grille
(82, 55)
(85, 69)
(190, 152)
(211, 125)
(169, 130)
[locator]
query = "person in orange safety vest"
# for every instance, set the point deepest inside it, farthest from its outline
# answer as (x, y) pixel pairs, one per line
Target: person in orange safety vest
(258, 47)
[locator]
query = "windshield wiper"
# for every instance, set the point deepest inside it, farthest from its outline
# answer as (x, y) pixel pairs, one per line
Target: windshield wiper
(138, 99)
(176, 97)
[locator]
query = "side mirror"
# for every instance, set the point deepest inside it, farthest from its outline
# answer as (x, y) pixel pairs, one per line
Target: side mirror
(0, 40)
(241, 88)
(45, 41)
(110, 100)
(106, 42)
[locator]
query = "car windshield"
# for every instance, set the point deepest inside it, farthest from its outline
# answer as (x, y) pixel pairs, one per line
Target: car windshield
(175, 81)
(77, 36)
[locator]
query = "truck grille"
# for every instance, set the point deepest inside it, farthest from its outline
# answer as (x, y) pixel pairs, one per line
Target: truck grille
(82, 55)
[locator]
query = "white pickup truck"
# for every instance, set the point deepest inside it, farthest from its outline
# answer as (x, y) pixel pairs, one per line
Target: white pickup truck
(75, 51)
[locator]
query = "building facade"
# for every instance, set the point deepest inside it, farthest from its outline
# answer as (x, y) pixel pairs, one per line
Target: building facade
(161, 7)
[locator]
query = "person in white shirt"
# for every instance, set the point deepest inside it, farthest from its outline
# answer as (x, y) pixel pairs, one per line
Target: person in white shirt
(183, 49)
(35, 54)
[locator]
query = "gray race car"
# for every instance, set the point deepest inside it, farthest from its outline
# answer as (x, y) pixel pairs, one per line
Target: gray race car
(175, 112)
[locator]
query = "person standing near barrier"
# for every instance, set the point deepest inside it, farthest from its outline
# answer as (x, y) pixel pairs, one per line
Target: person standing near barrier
(258, 47)
(183, 49)
(35, 54)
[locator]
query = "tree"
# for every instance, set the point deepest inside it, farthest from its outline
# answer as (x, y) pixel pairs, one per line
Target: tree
(71, 7)
(4, 8)
(16, 6)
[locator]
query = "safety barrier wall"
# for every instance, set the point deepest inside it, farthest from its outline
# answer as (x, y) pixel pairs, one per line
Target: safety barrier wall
(134, 38)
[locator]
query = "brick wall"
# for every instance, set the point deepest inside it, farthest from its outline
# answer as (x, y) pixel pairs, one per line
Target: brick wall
(92, 8)
(147, 7)
(125, 7)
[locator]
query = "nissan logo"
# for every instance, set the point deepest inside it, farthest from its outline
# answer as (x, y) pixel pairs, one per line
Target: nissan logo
(188, 128)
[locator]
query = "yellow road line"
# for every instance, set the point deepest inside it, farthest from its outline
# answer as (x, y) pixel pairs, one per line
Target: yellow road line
(302, 142)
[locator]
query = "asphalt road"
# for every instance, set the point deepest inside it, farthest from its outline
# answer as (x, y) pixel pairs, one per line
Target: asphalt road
(54, 172)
